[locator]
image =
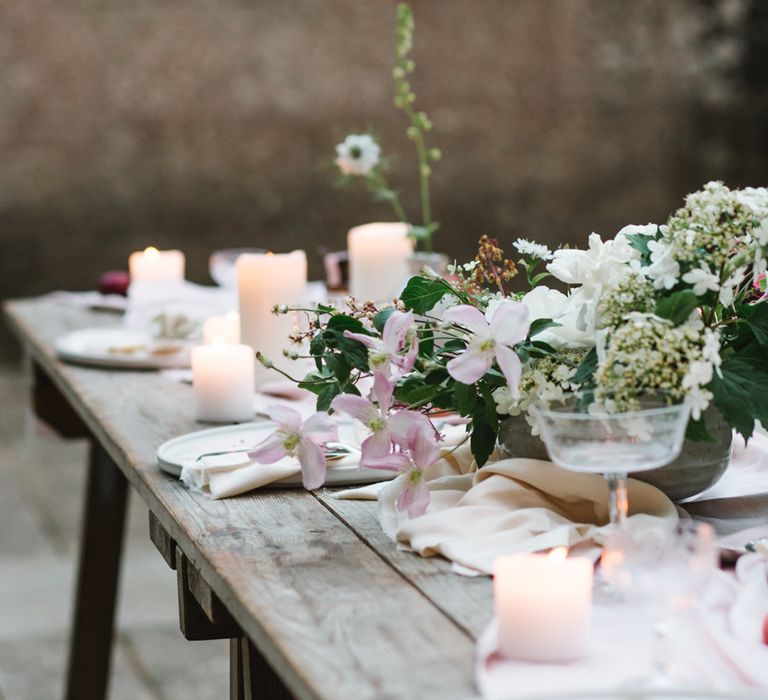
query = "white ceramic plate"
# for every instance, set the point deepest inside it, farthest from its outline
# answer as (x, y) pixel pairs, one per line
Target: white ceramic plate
(119, 347)
(172, 454)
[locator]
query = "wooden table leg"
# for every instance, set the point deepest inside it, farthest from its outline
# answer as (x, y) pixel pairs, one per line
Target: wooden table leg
(101, 543)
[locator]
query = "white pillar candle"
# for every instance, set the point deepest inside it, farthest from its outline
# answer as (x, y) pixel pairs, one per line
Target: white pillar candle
(378, 260)
(264, 281)
(226, 327)
(543, 605)
(223, 381)
(155, 265)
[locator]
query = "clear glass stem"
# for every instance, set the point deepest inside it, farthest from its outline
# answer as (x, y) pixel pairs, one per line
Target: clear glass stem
(617, 503)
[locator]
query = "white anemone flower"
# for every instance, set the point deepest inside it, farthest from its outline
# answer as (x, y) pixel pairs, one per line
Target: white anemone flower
(358, 155)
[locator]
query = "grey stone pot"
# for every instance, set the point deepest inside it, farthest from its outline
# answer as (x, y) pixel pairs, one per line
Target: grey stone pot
(699, 466)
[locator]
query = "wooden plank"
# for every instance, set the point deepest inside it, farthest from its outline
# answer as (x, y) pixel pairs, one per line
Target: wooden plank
(52, 408)
(468, 601)
(327, 612)
(97, 577)
(162, 540)
(196, 623)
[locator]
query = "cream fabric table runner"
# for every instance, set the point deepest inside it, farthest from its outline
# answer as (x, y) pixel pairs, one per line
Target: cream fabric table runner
(510, 505)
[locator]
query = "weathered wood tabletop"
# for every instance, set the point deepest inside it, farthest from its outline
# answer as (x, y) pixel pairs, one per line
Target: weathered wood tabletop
(312, 581)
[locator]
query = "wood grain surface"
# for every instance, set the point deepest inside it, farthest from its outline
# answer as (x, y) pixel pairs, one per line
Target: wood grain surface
(319, 590)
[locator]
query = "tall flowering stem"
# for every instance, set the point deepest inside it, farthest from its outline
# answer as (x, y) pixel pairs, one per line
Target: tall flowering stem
(420, 124)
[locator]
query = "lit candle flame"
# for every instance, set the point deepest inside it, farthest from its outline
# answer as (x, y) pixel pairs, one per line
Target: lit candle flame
(269, 253)
(151, 252)
(558, 554)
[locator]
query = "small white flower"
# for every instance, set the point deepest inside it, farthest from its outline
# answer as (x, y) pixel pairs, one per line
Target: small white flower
(711, 349)
(702, 279)
(664, 269)
(532, 249)
(760, 234)
(699, 399)
(699, 374)
(731, 286)
(358, 155)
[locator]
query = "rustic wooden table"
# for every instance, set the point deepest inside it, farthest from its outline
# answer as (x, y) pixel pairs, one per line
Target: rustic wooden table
(316, 601)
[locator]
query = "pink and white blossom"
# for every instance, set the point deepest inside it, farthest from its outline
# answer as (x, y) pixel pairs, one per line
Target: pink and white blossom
(303, 440)
(489, 341)
(422, 452)
(396, 349)
(385, 428)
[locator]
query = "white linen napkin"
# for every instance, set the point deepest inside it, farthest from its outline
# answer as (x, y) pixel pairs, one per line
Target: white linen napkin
(178, 303)
(720, 645)
(230, 475)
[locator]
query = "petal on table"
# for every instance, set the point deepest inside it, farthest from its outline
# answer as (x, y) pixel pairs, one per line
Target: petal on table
(271, 449)
(393, 462)
(312, 460)
(378, 444)
(284, 416)
(414, 499)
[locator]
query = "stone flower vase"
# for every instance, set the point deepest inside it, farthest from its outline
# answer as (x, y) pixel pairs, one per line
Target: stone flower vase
(699, 465)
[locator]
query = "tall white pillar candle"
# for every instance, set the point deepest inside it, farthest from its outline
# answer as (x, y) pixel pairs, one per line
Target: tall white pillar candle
(264, 281)
(153, 265)
(378, 260)
(226, 327)
(223, 382)
(543, 605)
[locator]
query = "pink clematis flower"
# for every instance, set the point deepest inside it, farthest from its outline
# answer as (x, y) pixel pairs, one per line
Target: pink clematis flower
(423, 451)
(303, 440)
(489, 341)
(385, 428)
(397, 347)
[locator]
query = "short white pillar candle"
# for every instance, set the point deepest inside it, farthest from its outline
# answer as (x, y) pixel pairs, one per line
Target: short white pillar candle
(226, 327)
(378, 260)
(266, 280)
(153, 265)
(543, 605)
(223, 382)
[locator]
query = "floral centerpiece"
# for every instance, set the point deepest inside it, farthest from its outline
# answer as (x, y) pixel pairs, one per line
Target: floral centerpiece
(677, 309)
(358, 157)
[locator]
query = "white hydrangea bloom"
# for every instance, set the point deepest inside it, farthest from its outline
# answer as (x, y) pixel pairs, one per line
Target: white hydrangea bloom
(664, 270)
(702, 279)
(358, 155)
(731, 286)
(531, 249)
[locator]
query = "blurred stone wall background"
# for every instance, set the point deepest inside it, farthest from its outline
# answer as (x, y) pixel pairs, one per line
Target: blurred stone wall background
(203, 124)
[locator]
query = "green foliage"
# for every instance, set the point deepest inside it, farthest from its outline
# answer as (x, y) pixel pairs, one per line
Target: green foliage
(586, 369)
(678, 306)
(421, 294)
(741, 393)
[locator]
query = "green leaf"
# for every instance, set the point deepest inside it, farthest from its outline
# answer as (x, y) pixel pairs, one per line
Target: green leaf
(541, 324)
(678, 306)
(327, 395)
(483, 439)
(355, 352)
(317, 348)
(697, 431)
(421, 294)
(416, 395)
(741, 394)
(342, 322)
(586, 368)
(464, 398)
(640, 242)
(339, 365)
(756, 317)
(380, 319)
(427, 344)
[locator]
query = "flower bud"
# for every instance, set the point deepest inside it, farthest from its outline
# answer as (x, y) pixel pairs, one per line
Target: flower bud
(264, 360)
(412, 132)
(435, 154)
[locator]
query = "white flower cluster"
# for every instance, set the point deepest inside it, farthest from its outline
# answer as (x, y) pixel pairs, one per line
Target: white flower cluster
(632, 294)
(648, 354)
(530, 249)
(358, 154)
(712, 241)
(543, 380)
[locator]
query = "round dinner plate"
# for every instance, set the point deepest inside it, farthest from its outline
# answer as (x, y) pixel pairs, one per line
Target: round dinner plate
(119, 347)
(172, 454)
